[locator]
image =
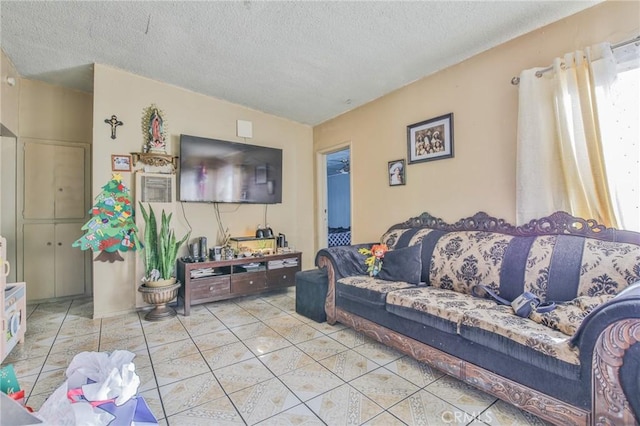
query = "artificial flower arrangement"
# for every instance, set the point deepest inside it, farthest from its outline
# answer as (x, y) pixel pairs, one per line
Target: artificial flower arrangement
(374, 261)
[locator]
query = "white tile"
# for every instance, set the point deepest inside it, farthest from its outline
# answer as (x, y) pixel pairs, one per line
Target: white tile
(502, 413)
(460, 394)
(209, 341)
(177, 369)
(285, 360)
(378, 352)
(349, 364)
(311, 380)
(172, 350)
(188, 393)
(263, 400)
(322, 347)
(348, 337)
(226, 355)
(295, 416)
(384, 387)
(219, 412)
(416, 372)
(424, 408)
(344, 405)
(242, 375)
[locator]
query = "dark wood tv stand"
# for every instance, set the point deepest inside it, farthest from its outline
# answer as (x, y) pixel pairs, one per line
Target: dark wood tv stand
(210, 281)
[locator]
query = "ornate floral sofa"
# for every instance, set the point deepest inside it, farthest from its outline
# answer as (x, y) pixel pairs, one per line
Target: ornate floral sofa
(578, 364)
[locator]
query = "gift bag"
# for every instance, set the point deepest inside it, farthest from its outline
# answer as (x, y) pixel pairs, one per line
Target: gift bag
(10, 387)
(8, 380)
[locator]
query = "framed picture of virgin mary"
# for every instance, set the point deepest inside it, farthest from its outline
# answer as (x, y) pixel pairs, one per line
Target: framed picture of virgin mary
(154, 129)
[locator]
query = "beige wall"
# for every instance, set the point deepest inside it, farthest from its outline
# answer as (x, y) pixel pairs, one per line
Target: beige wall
(127, 95)
(481, 176)
(10, 95)
(55, 113)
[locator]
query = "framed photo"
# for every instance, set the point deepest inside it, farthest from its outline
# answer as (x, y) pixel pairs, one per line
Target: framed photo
(431, 139)
(121, 163)
(396, 170)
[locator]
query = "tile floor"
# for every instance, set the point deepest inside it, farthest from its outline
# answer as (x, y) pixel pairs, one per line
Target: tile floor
(253, 360)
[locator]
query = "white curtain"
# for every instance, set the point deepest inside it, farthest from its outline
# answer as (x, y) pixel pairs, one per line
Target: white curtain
(560, 156)
(540, 185)
(620, 129)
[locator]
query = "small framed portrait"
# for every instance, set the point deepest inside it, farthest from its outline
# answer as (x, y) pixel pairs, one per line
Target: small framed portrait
(396, 170)
(121, 163)
(431, 139)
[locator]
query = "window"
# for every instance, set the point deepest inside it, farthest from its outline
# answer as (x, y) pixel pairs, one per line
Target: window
(620, 127)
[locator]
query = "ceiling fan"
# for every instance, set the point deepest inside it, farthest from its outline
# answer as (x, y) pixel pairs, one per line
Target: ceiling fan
(346, 166)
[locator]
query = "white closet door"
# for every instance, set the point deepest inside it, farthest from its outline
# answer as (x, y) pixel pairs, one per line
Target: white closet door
(69, 268)
(39, 194)
(68, 175)
(54, 181)
(39, 260)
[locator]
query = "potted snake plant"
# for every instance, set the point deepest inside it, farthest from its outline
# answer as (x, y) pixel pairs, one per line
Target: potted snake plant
(160, 249)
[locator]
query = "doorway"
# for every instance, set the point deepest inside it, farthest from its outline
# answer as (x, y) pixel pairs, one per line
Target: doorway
(338, 184)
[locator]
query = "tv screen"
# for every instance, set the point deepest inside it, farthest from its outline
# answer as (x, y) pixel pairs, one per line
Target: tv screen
(216, 171)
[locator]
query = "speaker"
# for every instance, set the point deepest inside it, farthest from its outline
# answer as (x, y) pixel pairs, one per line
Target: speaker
(203, 248)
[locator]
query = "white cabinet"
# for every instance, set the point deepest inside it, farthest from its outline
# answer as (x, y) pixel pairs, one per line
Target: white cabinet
(54, 181)
(51, 266)
(55, 204)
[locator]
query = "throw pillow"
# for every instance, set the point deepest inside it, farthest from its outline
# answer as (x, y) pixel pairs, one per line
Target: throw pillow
(403, 264)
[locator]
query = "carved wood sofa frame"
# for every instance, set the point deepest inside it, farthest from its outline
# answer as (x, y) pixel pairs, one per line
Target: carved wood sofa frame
(609, 403)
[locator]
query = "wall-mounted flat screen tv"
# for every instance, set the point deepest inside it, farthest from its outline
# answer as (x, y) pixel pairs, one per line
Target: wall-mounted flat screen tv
(217, 171)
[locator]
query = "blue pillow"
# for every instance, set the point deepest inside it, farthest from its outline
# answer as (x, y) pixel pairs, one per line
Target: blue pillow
(403, 264)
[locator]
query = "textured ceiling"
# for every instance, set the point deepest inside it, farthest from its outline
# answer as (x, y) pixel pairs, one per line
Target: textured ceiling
(307, 61)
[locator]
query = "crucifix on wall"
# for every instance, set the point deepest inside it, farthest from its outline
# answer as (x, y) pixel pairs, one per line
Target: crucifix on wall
(114, 122)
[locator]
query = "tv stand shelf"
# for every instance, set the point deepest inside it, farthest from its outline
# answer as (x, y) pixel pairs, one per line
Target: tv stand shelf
(210, 281)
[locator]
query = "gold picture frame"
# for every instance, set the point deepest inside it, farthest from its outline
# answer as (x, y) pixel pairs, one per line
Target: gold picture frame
(121, 163)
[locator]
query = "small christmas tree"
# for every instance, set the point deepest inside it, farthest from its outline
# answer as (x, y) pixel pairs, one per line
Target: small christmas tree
(111, 228)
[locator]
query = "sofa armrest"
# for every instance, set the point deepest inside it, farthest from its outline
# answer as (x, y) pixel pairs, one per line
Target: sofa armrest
(346, 260)
(625, 305)
(340, 262)
(608, 337)
(615, 358)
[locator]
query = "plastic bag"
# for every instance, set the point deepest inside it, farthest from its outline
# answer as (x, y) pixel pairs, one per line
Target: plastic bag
(100, 389)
